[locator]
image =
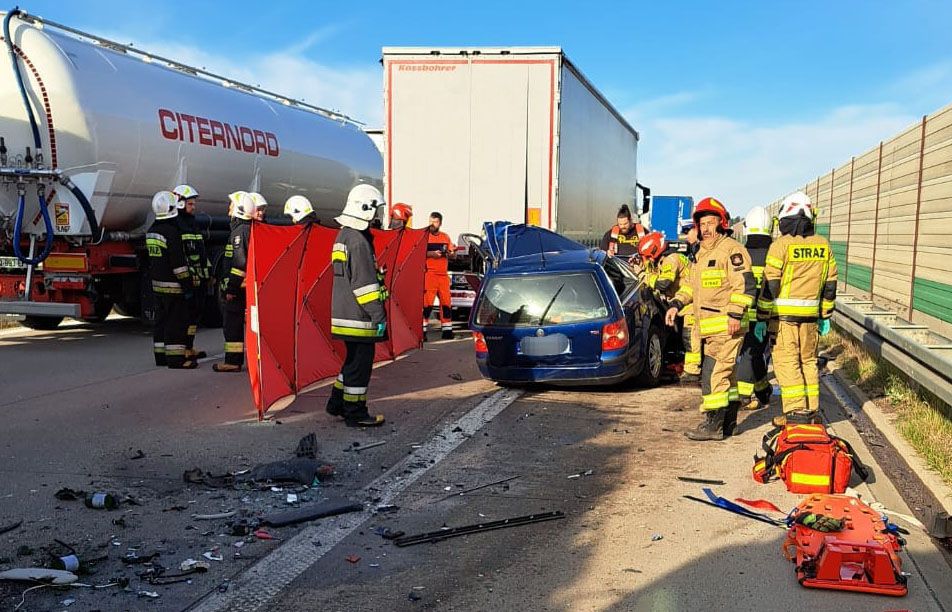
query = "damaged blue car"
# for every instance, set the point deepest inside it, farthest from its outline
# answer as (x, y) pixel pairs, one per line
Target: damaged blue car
(551, 310)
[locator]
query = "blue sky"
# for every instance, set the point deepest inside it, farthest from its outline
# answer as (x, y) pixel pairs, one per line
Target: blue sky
(744, 100)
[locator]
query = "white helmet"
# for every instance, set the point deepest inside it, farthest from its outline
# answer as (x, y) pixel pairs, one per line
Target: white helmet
(258, 199)
(241, 205)
(297, 207)
(794, 203)
(184, 192)
(361, 207)
(165, 205)
(758, 221)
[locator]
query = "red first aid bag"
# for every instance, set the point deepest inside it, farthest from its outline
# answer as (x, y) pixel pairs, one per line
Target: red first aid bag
(808, 460)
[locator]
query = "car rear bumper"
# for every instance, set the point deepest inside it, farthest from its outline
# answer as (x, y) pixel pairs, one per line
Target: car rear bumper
(606, 372)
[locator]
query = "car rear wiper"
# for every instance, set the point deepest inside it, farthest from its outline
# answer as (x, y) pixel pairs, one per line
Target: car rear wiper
(549, 307)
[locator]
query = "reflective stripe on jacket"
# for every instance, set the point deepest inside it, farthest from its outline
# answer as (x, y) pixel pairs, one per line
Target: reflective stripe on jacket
(357, 301)
(799, 280)
(720, 286)
(167, 268)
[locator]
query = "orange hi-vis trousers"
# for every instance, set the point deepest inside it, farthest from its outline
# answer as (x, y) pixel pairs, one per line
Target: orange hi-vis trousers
(437, 286)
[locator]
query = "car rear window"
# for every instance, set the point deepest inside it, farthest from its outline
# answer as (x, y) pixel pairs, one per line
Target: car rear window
(541, 299)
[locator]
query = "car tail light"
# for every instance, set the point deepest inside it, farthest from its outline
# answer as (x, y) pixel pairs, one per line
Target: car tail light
(480, 342)
(615, 336)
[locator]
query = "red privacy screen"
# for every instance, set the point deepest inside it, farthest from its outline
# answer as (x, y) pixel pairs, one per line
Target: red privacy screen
(288, 341)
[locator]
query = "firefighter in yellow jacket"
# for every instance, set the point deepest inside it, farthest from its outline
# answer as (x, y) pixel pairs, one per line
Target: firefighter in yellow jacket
(721, 288)
(799, 289)
(665, 271)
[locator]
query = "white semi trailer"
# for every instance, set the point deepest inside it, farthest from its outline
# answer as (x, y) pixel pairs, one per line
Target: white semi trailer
(516, 134)
(97, 128)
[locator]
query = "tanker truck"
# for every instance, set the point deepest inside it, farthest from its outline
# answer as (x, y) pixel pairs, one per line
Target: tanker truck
(91, 129)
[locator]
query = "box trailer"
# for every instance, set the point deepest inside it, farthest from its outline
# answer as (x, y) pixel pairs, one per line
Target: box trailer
(504, 134)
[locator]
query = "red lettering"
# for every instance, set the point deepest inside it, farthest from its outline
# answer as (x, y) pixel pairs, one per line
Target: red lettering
(189, 120)
(261, 144)
(165, 116)
(218, 135)
(233, 138)
(273, 149)
(213, 133)
(204, 131)
(247, 140)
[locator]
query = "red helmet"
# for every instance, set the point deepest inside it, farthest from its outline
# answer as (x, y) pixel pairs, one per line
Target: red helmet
(712, 206)
(401, 212)
(651, 246)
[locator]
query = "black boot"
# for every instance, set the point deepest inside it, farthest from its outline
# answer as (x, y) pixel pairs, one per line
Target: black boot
(689, 379)
(730, 419)
(711, 429)
(447, 334)
(802, 417)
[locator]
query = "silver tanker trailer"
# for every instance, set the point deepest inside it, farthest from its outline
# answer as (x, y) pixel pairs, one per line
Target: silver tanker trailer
(92, 129)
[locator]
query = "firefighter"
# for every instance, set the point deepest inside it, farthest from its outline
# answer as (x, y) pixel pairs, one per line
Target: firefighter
(171, 284)
(439, 250)
(622, 239)
(358, 316)
(689, 334)
(672, 269)
(753, 385)
(721, 288)
(300, 210)
(261, 205)
(400, 216)
(799, 289)
(243, 211)
(194, 245)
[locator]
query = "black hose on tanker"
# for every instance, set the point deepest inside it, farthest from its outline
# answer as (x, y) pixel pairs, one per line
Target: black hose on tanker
(38, 144)
(16, 71)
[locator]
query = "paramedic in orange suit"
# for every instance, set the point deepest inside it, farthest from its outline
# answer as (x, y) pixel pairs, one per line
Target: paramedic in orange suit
(440, 249)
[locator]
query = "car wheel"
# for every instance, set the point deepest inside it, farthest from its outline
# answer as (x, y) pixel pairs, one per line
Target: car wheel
(654, 359)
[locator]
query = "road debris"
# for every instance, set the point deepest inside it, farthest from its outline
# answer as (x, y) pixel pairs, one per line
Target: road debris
(359, 448)
(309, 513)
(101, 501)
(446, 533)
(39, 574)
(148, 594)
(579, 475)
(67, 602)
(388, 534)
(197, 476)
(214, 517)
(302, 470)
(483, 486)
(138, 455)
(262, 534)
(214, 555)
(354, 559)
(292, 498)
(706, 481)
(657, 537)
(307, 446)
(67, 494)
(10, 527)
(193, 565)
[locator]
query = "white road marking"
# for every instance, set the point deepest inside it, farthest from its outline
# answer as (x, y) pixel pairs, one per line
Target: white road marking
(260, 583)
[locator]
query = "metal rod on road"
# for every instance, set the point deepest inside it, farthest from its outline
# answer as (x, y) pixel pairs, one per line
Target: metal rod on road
(489, 484)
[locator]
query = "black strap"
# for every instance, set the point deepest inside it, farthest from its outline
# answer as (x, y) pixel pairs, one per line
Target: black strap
(861, 470)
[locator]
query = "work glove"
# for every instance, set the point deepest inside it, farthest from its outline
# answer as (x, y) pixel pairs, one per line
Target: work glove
(760, 330)
(381, 329)
(823, 325)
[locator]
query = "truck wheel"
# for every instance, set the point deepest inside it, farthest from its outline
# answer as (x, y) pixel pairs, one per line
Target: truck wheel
(42, 323)
(654, 360)
(101, 309)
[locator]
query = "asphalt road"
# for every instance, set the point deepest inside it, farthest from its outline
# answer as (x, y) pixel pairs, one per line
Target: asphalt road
(79, 403)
